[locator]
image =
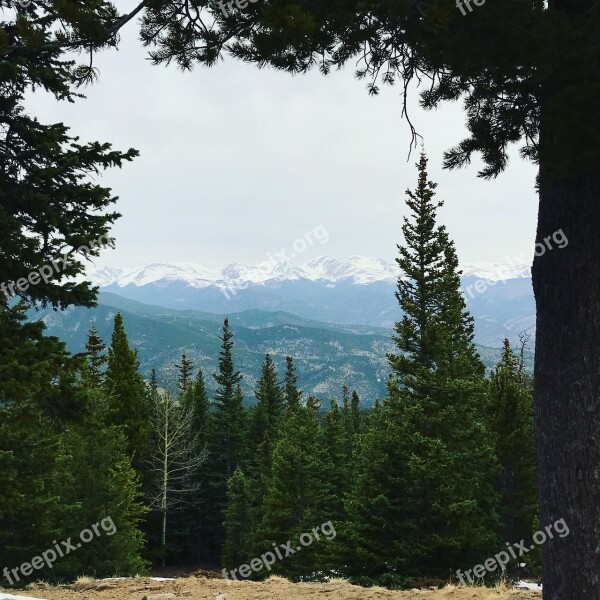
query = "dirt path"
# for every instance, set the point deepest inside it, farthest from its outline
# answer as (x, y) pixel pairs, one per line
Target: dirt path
(275, 588)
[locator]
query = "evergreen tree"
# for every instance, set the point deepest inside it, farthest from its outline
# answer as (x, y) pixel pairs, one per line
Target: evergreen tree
(511, 422)
(96, 359)
(229, 412)
(185, 373)
(338, 443)
(39, 396)
(259, 475)
(424, 498)
(70, 470)
(237, 521)
(348, 423)
(93, 481)
(355, 412)
(195, 400)
(299, 493)
(227, 444)
(127, 393)
(269, 406)
(153, 384)
(293, 397)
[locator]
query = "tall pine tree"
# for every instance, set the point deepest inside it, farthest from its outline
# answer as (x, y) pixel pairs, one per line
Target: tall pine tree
(227, 444)
(127, 392)
(269, 404)
(424, 499)
(293, 396)
(185, 373)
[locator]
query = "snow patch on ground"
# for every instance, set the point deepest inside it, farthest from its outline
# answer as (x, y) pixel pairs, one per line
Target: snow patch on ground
(11, 597)
(527, 585)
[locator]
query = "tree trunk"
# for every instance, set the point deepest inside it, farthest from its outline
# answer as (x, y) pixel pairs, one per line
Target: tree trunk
(567, 378)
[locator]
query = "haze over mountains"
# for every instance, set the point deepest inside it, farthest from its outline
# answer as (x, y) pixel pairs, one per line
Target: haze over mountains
(350, 291)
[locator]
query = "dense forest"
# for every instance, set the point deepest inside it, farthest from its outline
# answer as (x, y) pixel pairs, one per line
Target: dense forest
(437, 477)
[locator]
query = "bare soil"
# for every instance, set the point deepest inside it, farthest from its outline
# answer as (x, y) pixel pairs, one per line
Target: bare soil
(275, 588)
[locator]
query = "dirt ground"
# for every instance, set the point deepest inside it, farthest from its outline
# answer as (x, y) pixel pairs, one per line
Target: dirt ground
(275, 588)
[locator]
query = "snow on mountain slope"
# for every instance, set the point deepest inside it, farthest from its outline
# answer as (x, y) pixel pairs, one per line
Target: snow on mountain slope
(358, 270)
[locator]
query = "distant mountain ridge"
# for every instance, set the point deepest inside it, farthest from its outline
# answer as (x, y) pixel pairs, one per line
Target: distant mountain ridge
(358, 270)
(326, 355)
(350, 291)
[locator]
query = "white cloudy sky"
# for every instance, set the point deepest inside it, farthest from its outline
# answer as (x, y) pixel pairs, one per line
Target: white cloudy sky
(237, 163)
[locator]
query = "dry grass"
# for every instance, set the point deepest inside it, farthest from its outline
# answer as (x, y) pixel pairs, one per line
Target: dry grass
(275, 588)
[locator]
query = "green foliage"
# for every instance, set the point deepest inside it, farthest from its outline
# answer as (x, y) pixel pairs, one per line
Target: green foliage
(237, 521)
(355, 413)
(192, 523)
(49, 204)
(126, 392)
(227, 447)
(293, 397)
(512, 427)
(299, 494)
(269, 404)
(96, 360)
(93, 481)
(185, 373)
(519, 66)
(66, 469)
(423, 499)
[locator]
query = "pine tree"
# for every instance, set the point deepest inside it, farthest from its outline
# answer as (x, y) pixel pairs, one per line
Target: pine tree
(185, 373)
(229, 411)
(96, 359)
(424, 498)
(195, 399)
(192, 519)
(237, 521)
(511, 423)
(127, 393)
(153, 384)
(338, 443)
(355, 412)
(348, 424)
(93, 481)
(269, 406)
(293, 397)
(299, 493)
(227, 445)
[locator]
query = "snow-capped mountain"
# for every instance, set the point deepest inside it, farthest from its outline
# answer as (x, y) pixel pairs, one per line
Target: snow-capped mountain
(357, 270)
(350, 291)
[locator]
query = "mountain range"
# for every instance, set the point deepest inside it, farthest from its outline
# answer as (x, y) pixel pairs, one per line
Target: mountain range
(348, 291)
(326, 355)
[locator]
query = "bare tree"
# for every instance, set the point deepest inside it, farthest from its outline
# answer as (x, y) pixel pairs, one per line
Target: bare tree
(175, 459)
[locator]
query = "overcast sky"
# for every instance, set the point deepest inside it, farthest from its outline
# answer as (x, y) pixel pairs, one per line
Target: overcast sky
(237, 163)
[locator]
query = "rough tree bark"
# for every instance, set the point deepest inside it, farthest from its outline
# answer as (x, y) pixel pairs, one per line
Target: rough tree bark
(567, 379)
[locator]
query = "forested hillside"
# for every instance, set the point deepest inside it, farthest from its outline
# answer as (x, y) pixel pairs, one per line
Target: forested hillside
(426, 482)
(327, 356)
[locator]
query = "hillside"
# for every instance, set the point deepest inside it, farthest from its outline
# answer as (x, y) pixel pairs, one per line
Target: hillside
(326, 355)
